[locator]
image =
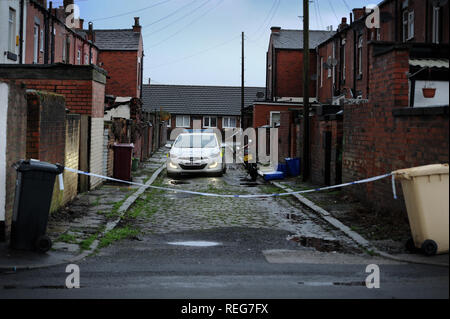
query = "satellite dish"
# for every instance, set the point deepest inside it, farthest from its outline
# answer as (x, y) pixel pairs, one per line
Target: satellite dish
(332, 61)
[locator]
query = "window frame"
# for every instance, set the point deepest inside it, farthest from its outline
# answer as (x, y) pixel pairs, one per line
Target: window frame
(344, 41)
(12, 30)
(271, 117)
(79, 56)
(36, 43)
(436, 21)
(321, 71)
(183, 117)
(209, 117)
(360, 54)
(411, 19)
(229, 118)
(41, 40)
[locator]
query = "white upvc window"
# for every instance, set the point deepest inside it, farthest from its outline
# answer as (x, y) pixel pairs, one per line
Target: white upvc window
(436, 22)
(274, 119)
(209, 121)
(169, 122)
(12, 31)
(329, 66)
(408, 25)
(79, 57)
(36, 44)
(86, 59)
(42, 40)
(183, 121)
(229, 122)
(321, 71)
(360, 53)
(343, 59)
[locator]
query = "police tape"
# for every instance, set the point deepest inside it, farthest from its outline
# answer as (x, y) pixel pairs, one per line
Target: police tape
(362, 181)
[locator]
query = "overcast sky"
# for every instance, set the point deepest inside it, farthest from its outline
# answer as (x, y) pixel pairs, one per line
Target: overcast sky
(199, 41)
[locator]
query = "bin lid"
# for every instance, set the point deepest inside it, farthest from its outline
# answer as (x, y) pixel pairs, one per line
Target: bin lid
(124, 145)
(34, 165)
(434, 169)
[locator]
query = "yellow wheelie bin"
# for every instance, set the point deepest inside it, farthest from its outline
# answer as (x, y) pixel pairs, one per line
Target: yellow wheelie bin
(426, 192)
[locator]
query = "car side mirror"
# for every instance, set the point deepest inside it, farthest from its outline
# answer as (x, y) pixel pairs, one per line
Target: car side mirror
(168, 145)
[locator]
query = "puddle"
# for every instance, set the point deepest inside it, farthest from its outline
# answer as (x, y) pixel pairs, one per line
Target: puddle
(319, 283)
(319, 244)
(195, 243)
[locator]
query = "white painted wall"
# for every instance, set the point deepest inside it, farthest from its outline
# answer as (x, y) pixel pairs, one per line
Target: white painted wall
(4, 92)
(441, 97)
(122, 111)
(4, 27)
(96, 159)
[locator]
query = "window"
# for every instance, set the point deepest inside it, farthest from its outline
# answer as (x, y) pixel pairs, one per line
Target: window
(42, 40)
(436, 26)
(360, 53)
(169, 122)
(228, 122)
(408, 25)
(321, 71)
(36, 44)
(343, 59)
(86, 59)
(12, 31)
(329, 66)
(183, 121)
(274, 119)
(209, 121)
(79, 56)
(64, 49)
(378, 34)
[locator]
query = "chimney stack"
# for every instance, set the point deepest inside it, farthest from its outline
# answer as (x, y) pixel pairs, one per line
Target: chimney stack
(275, 30)
(343, 24)
(358, 13)
(137, 27)
(90, 33)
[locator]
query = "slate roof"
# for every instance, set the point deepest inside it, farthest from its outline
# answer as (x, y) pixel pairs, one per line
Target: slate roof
(293, 39)
(197, 99)
(119, 39)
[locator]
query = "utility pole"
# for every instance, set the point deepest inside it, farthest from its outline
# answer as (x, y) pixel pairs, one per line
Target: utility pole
(306, 151)
(242, 81)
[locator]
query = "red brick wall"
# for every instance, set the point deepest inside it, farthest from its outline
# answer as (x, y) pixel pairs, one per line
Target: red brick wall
(122, 70)
(376, 142)
(46, 127)
(261, 113)
(289, 73)
(61, 33)
(82, 96)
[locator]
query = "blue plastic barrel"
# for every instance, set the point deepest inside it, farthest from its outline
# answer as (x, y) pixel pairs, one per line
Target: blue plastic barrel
(293, 166)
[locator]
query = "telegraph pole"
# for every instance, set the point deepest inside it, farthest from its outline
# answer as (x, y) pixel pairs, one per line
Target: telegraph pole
(306, 151)
(242, 81)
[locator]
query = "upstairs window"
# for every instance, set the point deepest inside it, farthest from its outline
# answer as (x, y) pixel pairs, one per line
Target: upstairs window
(360, 54)
(436, 25)
(79, 57)
(42, 41)
(36, 44)
(321, 71)
(86, 59)
(408, 25)
(12, 31)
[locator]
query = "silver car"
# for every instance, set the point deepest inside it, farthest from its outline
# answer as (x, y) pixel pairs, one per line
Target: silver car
(196, 153)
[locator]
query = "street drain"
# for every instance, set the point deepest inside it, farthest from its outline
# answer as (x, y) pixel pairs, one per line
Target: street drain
(320, 244)
(250, 184)
(195, 243)
(177, 182)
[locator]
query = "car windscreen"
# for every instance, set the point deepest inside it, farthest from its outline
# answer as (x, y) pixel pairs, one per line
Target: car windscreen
(196, 141)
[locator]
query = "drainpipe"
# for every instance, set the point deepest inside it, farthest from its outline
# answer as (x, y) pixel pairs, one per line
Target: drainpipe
(22, 8)
(46, 37)
(52, 54)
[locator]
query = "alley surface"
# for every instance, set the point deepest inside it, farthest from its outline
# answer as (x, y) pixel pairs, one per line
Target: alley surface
(186, 246)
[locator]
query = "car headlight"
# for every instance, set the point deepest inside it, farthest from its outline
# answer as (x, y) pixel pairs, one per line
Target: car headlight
(172, 165)
(213, 165)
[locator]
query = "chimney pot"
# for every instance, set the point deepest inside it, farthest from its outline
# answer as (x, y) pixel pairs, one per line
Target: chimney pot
(275, 30)
(136, 27)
